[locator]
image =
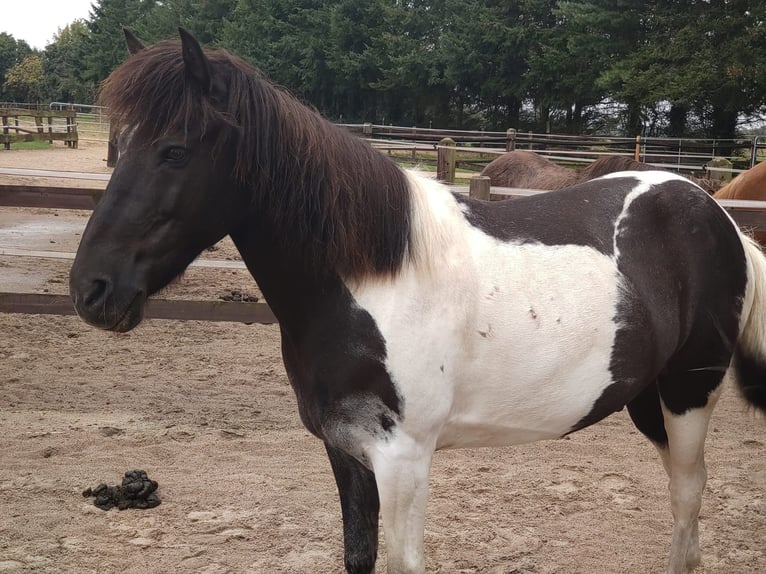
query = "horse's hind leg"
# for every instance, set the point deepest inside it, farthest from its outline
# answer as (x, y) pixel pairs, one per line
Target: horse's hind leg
(685, 462)
(360, 507)
(679, 439)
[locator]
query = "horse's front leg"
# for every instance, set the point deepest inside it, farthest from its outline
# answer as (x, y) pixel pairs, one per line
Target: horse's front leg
(360, 507)
(401, 471)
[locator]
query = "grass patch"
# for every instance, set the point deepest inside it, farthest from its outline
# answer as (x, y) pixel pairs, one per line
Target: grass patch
(28, 145)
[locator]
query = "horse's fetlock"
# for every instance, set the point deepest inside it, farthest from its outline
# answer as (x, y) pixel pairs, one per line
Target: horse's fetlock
(360, 564)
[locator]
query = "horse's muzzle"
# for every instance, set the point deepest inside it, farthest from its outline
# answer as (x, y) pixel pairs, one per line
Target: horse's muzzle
(101, 304)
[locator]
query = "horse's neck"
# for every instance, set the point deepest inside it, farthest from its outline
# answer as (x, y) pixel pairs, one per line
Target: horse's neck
(334, 201)
(292, 291)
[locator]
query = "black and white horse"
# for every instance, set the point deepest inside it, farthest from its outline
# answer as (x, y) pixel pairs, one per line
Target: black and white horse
(414, 319)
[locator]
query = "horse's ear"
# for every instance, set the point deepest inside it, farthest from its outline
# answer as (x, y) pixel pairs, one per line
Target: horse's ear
(134, 44)
(197, 67)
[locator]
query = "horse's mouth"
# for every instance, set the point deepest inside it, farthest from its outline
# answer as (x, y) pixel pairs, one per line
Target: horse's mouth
(133, 315)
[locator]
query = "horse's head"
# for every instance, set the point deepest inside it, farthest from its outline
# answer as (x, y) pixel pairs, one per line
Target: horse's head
(174, 190)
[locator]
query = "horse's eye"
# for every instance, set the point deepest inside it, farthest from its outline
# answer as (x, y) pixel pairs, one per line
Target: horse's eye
(175, 154)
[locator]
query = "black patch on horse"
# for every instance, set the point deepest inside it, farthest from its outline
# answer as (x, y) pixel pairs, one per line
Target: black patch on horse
(674, 327)
(579, 215)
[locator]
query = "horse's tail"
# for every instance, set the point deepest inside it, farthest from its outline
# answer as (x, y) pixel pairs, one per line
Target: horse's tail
(750, 354)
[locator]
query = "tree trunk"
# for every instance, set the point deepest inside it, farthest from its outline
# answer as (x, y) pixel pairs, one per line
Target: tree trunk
(677, 121)
(633, 123)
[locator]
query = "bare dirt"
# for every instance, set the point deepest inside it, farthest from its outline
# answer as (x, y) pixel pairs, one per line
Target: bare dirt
(206, 410)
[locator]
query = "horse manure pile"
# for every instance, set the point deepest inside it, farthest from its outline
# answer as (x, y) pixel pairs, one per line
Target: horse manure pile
(136, 491)
(238, 296)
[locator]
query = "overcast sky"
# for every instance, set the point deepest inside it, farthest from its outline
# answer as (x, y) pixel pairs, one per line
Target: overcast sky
(36, 21)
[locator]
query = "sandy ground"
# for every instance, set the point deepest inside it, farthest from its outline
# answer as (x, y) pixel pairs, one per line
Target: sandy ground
(206, 410)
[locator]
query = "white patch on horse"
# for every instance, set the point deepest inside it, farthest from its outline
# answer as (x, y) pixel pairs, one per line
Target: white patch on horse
(526, 363)
(124, 139)
(684, 461)
(430, 232)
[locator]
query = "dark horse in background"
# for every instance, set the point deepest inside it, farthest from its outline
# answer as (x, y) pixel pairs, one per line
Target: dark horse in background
(412, 318)
(529, 170)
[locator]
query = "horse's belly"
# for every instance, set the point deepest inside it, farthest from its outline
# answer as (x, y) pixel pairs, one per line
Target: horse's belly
(540, 355)
(517, 351)
(522, 402)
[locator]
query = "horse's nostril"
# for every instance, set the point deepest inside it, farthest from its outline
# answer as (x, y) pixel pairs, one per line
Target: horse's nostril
(98, 291)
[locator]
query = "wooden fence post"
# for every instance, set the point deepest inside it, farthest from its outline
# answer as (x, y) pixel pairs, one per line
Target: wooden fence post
(111, 146)
(510, 139)
(637, 152)
(445, 160)
(6, 132)
(367, 129)
(478, 187)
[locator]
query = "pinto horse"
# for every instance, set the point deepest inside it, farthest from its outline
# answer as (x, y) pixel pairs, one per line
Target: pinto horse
(413, 318)
(750, 184)
(527, 169)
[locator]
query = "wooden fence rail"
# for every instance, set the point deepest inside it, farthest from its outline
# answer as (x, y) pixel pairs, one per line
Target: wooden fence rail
(50, 197)
(746, 213)
(714, 168)
(513, 138)
(177, 309)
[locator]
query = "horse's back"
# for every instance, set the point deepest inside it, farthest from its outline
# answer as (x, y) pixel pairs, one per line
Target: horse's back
(750, 184)
(526, 169)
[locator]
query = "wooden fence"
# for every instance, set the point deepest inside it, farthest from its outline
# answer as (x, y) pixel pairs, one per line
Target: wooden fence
(22, 125)
(477, 148)
(180, 310)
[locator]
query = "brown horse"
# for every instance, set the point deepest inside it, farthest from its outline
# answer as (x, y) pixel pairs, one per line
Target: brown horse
(526, 169)
(750, 184)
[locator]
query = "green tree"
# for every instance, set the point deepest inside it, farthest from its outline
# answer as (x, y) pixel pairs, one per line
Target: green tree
(576, 41)
(286, 39)
(12, 52)
(24, 81)
(104, 46)
(660, 65)
(706, 57)
(404, 50)
(352, 66)
(203, 18)
(62, 68)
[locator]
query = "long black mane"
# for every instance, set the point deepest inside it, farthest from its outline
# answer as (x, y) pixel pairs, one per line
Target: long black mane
(328, 195)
